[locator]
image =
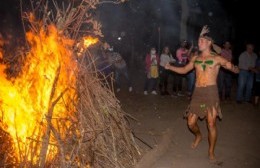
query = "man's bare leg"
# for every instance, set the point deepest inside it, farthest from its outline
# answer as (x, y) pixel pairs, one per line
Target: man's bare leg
(212, 132)
(193, 126)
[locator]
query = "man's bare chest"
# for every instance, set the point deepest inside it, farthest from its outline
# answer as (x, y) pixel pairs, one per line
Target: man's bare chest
(205, 65)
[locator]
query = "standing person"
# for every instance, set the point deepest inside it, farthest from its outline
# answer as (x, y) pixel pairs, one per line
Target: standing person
(257, 81)
(103, 64)
(152, 62)
(120, 69)
(205, 99)
(165, 58)
(225, 76)
(247, 61)
(182, 55)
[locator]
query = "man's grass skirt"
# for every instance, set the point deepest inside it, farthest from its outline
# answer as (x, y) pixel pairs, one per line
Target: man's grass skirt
(204, 99)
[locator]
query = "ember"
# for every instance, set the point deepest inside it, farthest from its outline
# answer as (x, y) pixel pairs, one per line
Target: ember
(89, 41)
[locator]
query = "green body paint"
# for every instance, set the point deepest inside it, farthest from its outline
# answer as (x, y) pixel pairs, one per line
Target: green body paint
(198, 62)
(203, 66)
(202, 105)
(209, 62)
(204, 63)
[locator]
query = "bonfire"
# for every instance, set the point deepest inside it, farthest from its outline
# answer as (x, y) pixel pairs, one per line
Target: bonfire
(56, 112)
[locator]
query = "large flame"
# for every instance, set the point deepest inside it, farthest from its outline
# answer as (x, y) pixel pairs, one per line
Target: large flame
(44, 89)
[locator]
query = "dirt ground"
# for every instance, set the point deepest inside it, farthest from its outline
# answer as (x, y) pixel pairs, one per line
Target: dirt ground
(165, 140)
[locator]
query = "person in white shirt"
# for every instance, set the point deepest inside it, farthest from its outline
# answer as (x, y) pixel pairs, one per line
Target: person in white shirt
(246, 64)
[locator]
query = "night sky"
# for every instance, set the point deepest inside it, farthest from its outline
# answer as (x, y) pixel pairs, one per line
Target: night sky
(245, 17)
(243, 14)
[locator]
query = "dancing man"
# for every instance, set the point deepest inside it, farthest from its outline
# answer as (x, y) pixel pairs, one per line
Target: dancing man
(205, 99)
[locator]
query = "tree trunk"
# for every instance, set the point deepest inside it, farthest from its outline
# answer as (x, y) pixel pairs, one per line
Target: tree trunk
(184, 18)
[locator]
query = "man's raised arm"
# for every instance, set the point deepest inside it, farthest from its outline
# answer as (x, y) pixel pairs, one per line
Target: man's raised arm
(182, 70)
(228, 65)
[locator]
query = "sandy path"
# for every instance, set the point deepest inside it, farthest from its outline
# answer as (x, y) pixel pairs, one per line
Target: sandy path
(161, 126)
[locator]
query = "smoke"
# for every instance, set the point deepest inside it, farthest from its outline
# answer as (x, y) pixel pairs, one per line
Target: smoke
(141, 24)
(11, 28)
(152, 23)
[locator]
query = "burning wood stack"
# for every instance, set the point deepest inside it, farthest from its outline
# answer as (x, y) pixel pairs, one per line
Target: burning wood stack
(55, 112)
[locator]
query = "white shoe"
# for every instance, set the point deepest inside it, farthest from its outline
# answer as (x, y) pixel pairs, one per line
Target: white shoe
(154, 92)
(130, 89)
(180, 95)
(145, 93)
(118, 90)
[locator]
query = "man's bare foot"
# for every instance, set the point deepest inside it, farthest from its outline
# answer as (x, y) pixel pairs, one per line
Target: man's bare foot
(213, 160)
(196, 142)
(212, 157)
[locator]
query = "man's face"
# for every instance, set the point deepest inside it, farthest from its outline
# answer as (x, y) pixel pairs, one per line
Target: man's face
(106, 46)
(204, 44)
(184, 44)
(249, 48)
(227, 45)
(166, 50)
(153, 51)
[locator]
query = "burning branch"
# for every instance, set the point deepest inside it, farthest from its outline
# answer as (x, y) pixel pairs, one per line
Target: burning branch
(46, 138)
